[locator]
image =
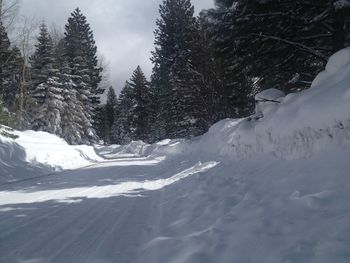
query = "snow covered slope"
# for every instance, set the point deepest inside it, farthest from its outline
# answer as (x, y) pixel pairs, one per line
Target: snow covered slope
(37, 153)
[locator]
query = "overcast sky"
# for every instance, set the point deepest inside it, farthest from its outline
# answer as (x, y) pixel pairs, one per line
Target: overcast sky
(123, 29)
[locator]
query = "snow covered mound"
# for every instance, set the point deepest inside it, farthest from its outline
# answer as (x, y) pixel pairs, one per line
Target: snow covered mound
(36, 153)
(294, 126)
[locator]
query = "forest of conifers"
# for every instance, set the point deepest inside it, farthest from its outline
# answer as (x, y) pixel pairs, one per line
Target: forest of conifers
(205, 68)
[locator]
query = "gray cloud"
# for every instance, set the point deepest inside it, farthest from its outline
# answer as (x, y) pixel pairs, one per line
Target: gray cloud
(123, 29)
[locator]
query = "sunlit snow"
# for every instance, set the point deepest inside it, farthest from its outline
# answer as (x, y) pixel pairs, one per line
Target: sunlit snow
(73, 195)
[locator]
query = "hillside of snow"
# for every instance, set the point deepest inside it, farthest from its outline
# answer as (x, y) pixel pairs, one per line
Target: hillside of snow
(272, 188)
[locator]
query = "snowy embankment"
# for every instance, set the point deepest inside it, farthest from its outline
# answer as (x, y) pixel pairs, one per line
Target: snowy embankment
(38, 153)
(294, 126)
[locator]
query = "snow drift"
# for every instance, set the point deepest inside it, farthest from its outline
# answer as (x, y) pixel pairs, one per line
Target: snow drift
(37, 153)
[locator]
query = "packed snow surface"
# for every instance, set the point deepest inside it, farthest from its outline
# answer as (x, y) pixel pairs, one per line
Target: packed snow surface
(269, 189)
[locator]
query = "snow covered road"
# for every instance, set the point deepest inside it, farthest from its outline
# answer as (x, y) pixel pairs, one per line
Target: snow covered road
(182, 209)
(98, 214)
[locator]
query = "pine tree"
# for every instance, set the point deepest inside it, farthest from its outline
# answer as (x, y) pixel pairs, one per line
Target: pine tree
(81, 57)
(211, 92)
(45, 88)
(10, 59)
(109, 114)
(41, 65)
(139, 112)
(111, 107)
(48, 114)
(12, 93)
(106, 115)
(176, 78)
(80, 43)
(132, 115)
(274, 43)
(156, 123)
(72, 118)
(102, 129)
(121, 129)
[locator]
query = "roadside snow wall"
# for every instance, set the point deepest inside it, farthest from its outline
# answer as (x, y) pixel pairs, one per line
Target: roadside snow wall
(301, 124)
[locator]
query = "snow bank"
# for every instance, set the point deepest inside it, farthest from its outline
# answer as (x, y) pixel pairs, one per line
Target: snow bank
(294, 126)
(290, 127)
(36, 153)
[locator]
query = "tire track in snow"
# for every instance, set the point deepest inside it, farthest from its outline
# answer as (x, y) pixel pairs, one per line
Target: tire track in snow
(28, 222)
(80, 247)
(51, 231)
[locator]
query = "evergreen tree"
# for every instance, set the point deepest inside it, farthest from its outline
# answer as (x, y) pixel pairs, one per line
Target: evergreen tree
(41, 65)
(81, 57)
(111, 107)
(176, 79)
(80, 44)
(121, 129)
(274, 43)
(45, 87)
(156, 123)
(132, 119)
(72, 117)
(100, 123)
(10, 75)
(139, 112)
(48, 114)
(108, 115)
(12, 93)
(211, 92)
